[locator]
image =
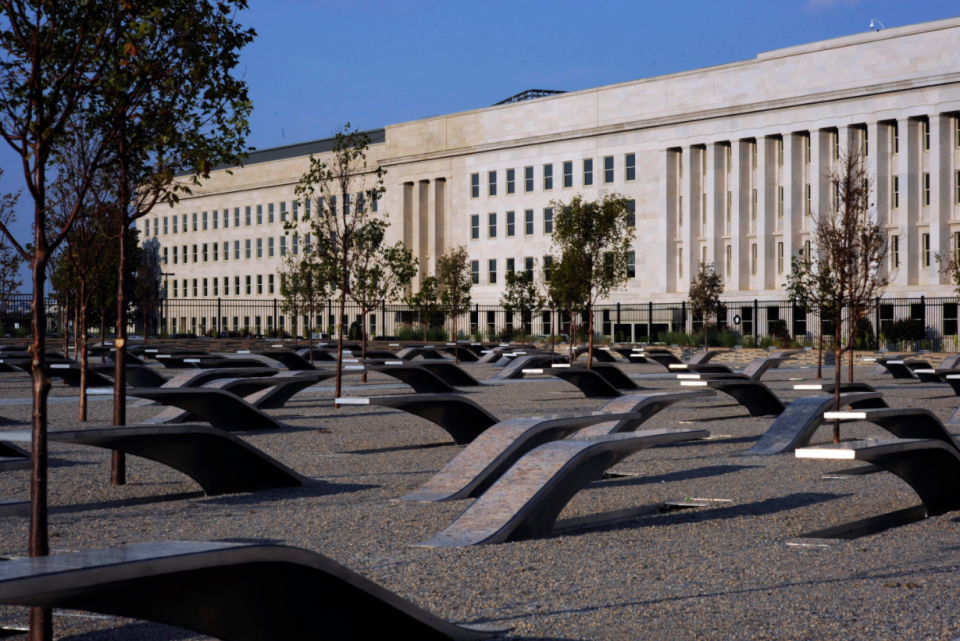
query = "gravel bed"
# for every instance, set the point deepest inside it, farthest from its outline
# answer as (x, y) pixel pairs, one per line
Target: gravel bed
(727, 571)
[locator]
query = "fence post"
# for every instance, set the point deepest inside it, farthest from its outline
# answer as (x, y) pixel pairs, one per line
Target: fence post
(649, 322)
(756, 317)
(615, 339)
(683, 316)
(876, 330)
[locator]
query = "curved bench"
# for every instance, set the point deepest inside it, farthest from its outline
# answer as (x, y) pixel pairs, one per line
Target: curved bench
(514, 369)
(224, 363)
(497, 448)
(929, 466)
(425, 352)
(291, 360)
(909, 423)
(220, 408)
(137, 375)
(756, 397)
(664, 358)
(526, 501)
(461, 352)
(230, 591)
(421, 380)
(599, 354)
(460, 417)
(199, 377)
(800, 420)
(71, 372)
(904, 369)
(592, 384)
(218, 461)
(450, 373)
(856, 386)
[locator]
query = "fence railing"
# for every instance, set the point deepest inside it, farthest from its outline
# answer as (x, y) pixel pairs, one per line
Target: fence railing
(895, 323)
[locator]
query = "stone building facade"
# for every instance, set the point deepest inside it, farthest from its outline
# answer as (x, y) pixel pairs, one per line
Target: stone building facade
(724, 164)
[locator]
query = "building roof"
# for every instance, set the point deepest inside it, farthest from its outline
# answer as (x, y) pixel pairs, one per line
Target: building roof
(297, 150)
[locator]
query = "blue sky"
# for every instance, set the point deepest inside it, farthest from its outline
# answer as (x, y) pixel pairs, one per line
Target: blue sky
(318, 64)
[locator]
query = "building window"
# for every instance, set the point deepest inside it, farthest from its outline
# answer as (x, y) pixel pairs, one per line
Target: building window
(175, 218)
(283, 245)
(204, 252)
(680, 211)
(259, 248)
(165, 254)
(475, 271)
(896, 192)
(510, 266)
(703, 255)
(753, 259)
(204, 221)
(836, 145)
(248, 286)
(474, 185)
(270, 284)
(226, 250)
(780, 211)
(548, 220)
(753, 213)
(567, 174)
(925, 132)
(547, 264)
(528, 269)
(216, 252)
(528, 179)
(492, 271)
(630, 164)
(259, 284)
(246, 247)
(216, 219)
(474, 226)
(204, 287)
(236, 250)
(779, 258)
(780, 152)
(492, 225)
(174, 254)
(631, 213)
(491, 183)
(511, 224)
(729, 214)
(608, 170)
(236, 217)
(165, 228)
(957, 188)
(270, 247)
(866, 142)
(547, 177)
(894, 252)
(195, 221)
(175, 287)
(753, 155)
(631, 264)
(925, 249)
(236, 289)
(195, 288)
(896, 137)
(283, 210)
(216, 286)
(806, 149)
(926, 189)
(296, 244)
(680, 263)
(259, 214)
(511, 181)
(184, 221)
(807, 251)
(809, 199)
(528, 222)
(195, 253)
(186, 256)
(703, 216)
(587, 172)
(247, 217)
(729, 250)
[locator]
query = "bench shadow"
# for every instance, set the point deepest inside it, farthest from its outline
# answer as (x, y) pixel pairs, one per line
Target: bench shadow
(144, 631)
(399, 448)
(709, 471)
(321, 488)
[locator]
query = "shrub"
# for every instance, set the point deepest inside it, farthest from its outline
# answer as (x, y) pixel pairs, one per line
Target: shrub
(906, 329)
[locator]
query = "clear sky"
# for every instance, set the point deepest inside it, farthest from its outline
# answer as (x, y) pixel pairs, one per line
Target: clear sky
(317, 64)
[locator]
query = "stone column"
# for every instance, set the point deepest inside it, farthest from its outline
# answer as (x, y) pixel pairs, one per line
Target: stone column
(740, 225)
(421, 226)
(693, 204)
(668, 231)
(766, 213)
(878, 168)
(438, 224)
(408, 225)
(821, 152)
(793, 202)
(908, 169)
(941, 187)
(716, 201)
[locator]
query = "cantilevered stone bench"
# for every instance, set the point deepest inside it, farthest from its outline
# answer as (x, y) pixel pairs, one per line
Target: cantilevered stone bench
(291, 360)
(600, 382)
(129, 359)
(224, 363)
(493, 354)
(526, 501)
(856, 386)
(800, 420)
(514, 369)
(13, 458)
(939, 375)
(904, 369)
(176, 360)
(460, 417)
(218, 461)
(460, 352)
(929, 466)
(450, 373)
(220, 408)
(425, 352)
(498, 447)
(71, 372)
(754, 370)
(756, 397)
(908, 422)
(198, 377)
(229, 591)
(421, 380)
(599, 354)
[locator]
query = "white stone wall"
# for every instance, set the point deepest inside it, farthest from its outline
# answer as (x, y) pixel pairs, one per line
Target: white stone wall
(715, 121)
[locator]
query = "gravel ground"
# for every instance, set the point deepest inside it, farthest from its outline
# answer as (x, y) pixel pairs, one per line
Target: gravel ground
(721, 572)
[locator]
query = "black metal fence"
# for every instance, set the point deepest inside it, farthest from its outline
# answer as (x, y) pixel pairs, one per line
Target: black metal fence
(895, 323)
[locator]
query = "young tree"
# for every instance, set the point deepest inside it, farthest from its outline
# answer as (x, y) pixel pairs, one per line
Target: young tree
(336, 191)
(593, 239)
(425, 304)
(522, 296)
(808, 287)
(705, 290)
(566, 293)
(851, 247)
(381, 273)
(10, 259)
(454, 282)
(303, 289)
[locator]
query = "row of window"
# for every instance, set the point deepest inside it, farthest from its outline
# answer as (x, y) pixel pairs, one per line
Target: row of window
(588, 176)
(203, 221)
(528, 264)
(204, 286)
(252, 248)
(510, 222)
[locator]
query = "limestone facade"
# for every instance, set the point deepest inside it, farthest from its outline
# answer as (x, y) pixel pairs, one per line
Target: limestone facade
(724, 164)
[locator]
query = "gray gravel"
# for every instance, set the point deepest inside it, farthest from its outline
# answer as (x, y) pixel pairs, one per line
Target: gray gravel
(721, 572)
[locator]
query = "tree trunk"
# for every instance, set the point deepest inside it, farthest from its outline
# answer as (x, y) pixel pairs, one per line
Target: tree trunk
(41, 619)
(820, 355)
(589, 336)
(66, 328)
(363, 342)
(837, 364)
(456, 343)
(118, 462)
(76, 337)
(343, 304)
(81, 354)
(850, 359)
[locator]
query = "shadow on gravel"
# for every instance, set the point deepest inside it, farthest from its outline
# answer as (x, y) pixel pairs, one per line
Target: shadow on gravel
(141, 631)
(699, 473)
(399, 448)
(131, 502)
(323, 488)
(715, 441)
